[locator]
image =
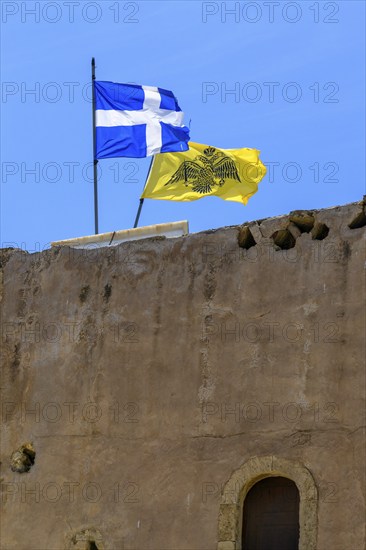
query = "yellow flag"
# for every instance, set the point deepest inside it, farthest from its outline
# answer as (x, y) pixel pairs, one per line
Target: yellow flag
(203, 171)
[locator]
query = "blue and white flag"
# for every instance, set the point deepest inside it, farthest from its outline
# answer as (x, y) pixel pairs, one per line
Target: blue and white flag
(137, 121)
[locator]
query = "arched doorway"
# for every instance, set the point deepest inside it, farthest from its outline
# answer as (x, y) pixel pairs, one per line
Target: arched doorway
(241, 482)
(271, 515)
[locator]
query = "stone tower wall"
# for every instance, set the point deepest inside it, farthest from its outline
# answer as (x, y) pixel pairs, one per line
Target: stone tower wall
(158, 380)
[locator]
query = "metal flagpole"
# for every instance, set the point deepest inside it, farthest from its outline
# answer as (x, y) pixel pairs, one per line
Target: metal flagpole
(138, 213)
(95, 160)
(142, 200)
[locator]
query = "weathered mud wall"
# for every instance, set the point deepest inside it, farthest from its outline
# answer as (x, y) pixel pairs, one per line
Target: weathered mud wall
(143, 376)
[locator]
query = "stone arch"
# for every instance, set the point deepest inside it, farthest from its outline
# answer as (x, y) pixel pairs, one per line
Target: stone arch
(243, 479)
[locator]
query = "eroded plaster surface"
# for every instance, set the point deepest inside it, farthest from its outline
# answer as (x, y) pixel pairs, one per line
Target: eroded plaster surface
(146, 375)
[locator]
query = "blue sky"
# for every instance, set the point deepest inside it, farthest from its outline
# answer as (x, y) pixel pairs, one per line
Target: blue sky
(297, 75)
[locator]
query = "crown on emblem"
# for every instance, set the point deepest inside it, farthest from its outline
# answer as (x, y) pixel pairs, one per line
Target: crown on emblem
(209, 151)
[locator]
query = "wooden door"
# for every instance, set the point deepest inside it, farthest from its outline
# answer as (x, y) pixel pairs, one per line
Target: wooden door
(271, 516)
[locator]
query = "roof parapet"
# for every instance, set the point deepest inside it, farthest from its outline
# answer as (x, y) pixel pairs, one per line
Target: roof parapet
(114, 238)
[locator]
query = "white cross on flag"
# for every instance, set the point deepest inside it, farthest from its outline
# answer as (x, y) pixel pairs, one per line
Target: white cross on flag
(137, 121)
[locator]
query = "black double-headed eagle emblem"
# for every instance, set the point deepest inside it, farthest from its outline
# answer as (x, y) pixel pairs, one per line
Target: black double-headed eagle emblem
(206, 171)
